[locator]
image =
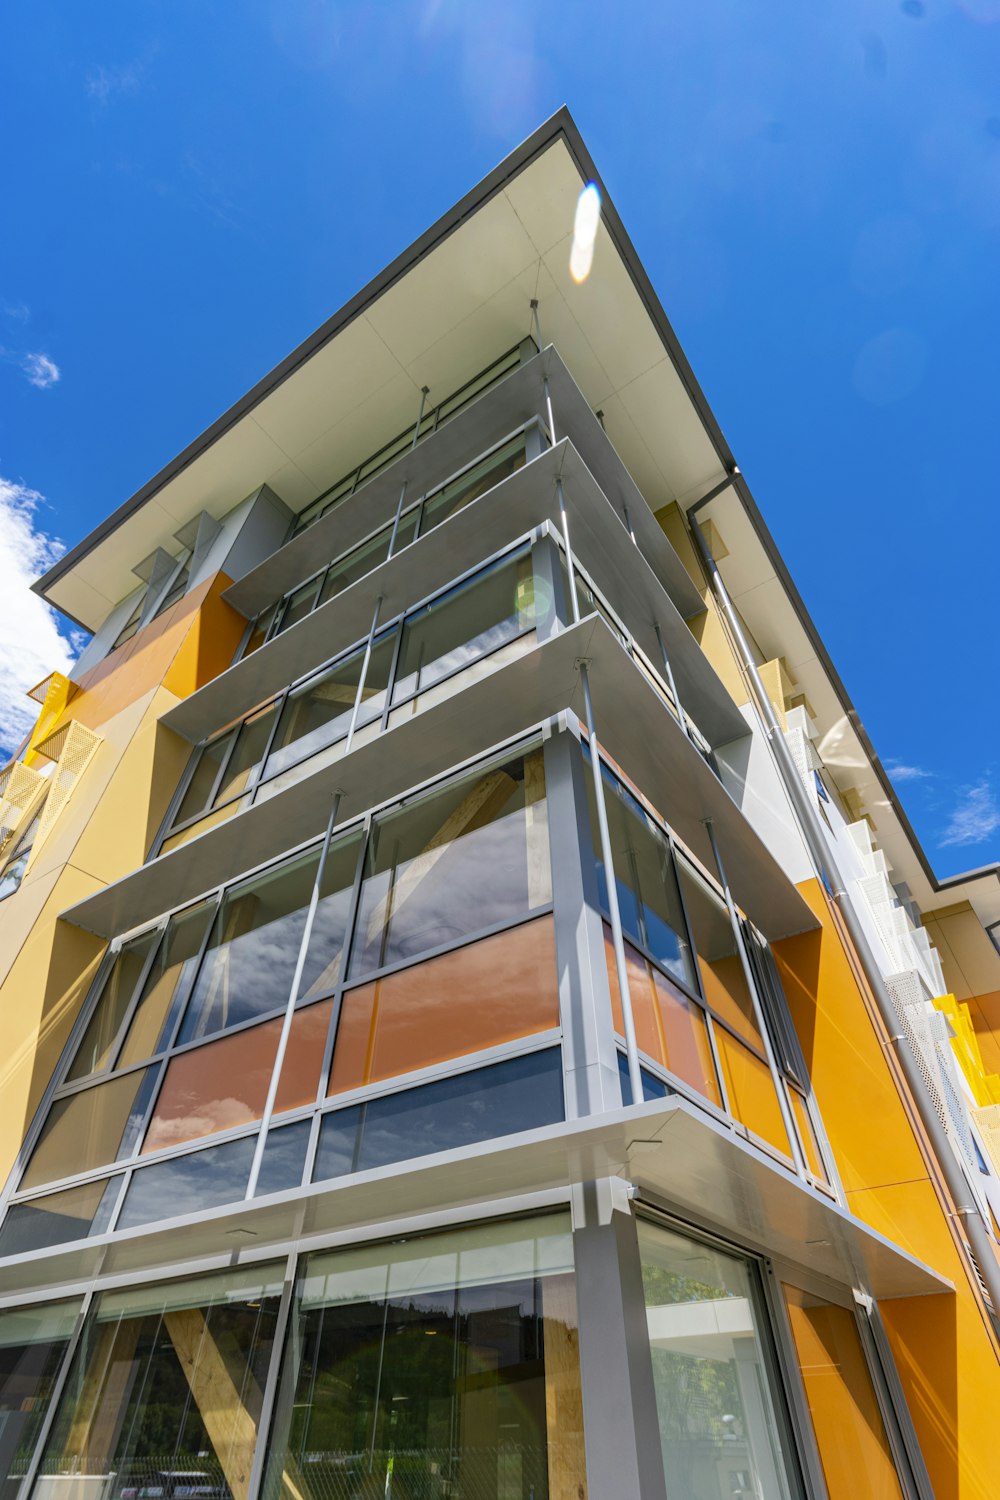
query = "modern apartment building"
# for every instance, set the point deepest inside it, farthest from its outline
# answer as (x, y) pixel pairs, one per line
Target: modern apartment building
(475, 1021)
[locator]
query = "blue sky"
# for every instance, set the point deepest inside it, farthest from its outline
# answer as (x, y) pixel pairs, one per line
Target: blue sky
(191, 186)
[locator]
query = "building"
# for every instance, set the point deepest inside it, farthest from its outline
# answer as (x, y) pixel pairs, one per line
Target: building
(476, 1021)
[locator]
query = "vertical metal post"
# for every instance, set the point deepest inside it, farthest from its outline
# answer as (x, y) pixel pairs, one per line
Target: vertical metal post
(618, 940)
(779, 1084)
(262, 1447)
(55, 1397)
(591, 1078)
(424, 391)
(620, 1421)
(536, 323)
(671, 684)
(574, 601)
(361, 680)
(617, 936)
(286, 1025)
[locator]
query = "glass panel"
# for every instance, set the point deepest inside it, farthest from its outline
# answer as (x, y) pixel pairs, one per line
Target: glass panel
(88, 1129)
(251, 955)
(471, 855)
(32, 1344)
(473, 483)
(324, 956)
(356, 564)
(723, 978)
(644, 877)
(258, 634)
(167, 984)
(284, 1158)
(669, 1027)
(807, 1136)
(58, 1217)
(480, 1105)
(198, 795)
(447, 1366)
(468, 622)
(652, 1087)
(718, 1428)
(753, 1095)
(188, 1184)
(850, 1434)
(216, 1087)
(297, 605)
(475, 997)
(299, 1082)
(102, 1029)
(251, 742)
(165, 1401)
(318, 712)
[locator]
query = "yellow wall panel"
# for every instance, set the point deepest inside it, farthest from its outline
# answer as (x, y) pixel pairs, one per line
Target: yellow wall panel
(845, 1058)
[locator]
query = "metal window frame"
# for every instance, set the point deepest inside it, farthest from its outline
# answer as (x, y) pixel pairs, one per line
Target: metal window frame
(156, 1066)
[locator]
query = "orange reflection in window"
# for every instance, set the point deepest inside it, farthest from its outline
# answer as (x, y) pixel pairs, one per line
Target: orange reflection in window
(753, 1097)
(669, 1027)
(725, 986)
(850, 1435)
(224, 1084)
(807, 1136)
(303, 1056)
(493, 991)
(215, 1087)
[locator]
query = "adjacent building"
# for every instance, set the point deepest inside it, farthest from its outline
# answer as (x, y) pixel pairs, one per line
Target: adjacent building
(475, 1021)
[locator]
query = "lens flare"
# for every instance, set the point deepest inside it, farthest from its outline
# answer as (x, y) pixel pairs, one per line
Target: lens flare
(585, 226)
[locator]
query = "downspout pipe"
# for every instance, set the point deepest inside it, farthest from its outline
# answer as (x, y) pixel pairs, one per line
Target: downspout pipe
(825, 862)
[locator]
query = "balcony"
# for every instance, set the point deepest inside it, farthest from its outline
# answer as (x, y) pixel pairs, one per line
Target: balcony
(517, 399)
(631, 579)
(534, 688)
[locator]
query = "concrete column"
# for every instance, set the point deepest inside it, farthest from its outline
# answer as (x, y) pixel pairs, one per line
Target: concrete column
(621, 1428)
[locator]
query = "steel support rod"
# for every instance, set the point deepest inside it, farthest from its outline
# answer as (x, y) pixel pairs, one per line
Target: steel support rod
(614, 911)
(424, 390)
(364, 673)
(671, 684)
(966, 1209)
(286, 1025)
(574, 601)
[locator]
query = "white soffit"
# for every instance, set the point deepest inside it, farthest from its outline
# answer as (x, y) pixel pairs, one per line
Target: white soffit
(459, 306)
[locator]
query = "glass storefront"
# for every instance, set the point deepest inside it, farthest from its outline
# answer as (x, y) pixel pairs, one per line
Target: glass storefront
(441, 1367)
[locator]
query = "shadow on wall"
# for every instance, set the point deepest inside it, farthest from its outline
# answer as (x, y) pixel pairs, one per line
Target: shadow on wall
(73, 959)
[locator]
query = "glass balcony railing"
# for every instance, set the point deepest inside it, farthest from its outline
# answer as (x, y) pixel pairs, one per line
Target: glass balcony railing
(416, 521)
(429, 422)
(431, 652)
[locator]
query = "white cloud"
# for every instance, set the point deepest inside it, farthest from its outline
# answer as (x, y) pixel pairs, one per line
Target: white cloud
(31, 645)
(975, 818)
(103, 82)
(900, 772)
(40, 370)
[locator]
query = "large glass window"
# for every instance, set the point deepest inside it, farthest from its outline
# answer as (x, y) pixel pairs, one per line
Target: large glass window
(446, 1366)
(750, 1084)
(87, 1129)
(524, 1093)
(645, 881)
(32, 1344)
(472, 623)
(850, 1433)
(435, 651)
(481, 995)
(102, 1031)
(718, 1426)
(251, 955)
(165, 1389)
(472, 855)
(56, 1218)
